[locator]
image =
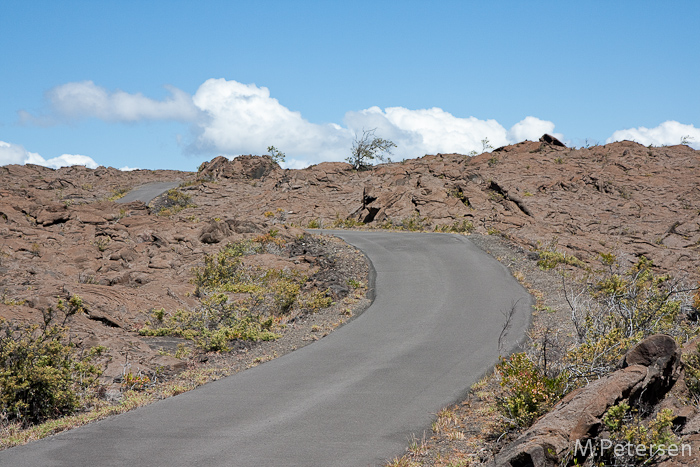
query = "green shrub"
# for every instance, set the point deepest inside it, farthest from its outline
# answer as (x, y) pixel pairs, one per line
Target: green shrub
(118, 193)
(367, 148)
(626, 427)
(316, 300)
(211, 327)
(549, 259)
(41, 374)
(277, 155)
(175, 201)
(528, 392)
(691, 363)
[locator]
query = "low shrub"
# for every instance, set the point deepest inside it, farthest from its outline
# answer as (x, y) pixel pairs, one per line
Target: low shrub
(527, 391)
(174, 202)
(42, 375)
(456, 227)
(625, 427)
(348, 223)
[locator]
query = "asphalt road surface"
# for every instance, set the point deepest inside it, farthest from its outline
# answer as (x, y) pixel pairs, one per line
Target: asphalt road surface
(147, 192)
(351, 399)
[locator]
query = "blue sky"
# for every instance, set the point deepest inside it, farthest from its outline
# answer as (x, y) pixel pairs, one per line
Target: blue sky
(170, 84)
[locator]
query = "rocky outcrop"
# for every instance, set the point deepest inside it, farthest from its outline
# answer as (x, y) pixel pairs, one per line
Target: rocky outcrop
(622, 197)
(242, 167)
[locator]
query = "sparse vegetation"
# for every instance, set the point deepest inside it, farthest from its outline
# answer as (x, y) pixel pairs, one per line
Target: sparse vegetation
(35, 249)
(6, 300)
(464, 226)
(118, 193)
(102, 242)
(262, 296)
(550, 258)
(626, 427)
(413, 223)
(42, 374)
(219, 320)
(528, 391)
(686, 140)
(277, 156)
(317, 300)
(348, 223)
(611, 310)
(14, 433)
(175, 201)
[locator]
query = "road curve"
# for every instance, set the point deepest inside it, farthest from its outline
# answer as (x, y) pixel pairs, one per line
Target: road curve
(147, 192)
(351, 399)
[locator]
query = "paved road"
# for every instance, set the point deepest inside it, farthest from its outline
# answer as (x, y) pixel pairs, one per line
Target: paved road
(147, 192)
(350, 399)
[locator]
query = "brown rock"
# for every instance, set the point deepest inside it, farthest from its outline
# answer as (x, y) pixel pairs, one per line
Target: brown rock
(249, 167)
(53, 214)
(214, 232)
(549, 139)
(651, 349)
(578, 415)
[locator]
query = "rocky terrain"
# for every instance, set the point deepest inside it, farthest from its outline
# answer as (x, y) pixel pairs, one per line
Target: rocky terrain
(63, 232)
(622, 197)
(62, 236)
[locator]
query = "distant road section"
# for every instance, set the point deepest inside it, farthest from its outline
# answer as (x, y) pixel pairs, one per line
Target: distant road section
(353, 398)
(146, 193)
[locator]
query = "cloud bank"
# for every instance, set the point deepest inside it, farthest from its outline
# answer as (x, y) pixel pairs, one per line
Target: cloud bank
(231, 118)
(16, 154)
(668, 133)
(85, 99)
(243, 118)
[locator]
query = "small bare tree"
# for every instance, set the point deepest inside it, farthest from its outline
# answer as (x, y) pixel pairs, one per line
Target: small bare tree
(368, 148)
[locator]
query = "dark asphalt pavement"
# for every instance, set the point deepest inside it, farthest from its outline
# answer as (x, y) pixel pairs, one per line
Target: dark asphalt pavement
(351, 399)
(147, 192)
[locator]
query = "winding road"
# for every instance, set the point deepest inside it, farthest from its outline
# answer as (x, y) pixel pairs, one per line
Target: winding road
(147, 192)
(351, 399)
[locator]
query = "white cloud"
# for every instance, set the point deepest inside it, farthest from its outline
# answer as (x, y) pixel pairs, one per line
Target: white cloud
(85, 99)
(16, 154)
(67, 160)
(243, 118)
(430, 131)
(12, 154)
(531, 128)
(126, 168)
(668, 133)
(234, 118)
